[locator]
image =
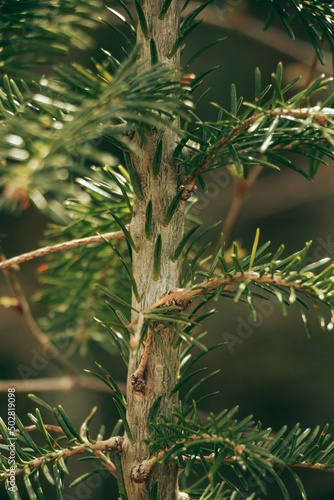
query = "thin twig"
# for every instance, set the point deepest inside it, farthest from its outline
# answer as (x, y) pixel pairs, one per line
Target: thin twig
(313, 68)
(65, 383)
(137, 377)
(40, 338)
(111, 444)
(251, 27)
(142, 471)
(32, 428)
(232, 460)
(189, 184)
(241, 188)
(60, 247)
(183, 296)
(61, 384)
(107, 463)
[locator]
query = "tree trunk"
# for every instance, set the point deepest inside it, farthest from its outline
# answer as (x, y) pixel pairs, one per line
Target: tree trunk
(157, 379)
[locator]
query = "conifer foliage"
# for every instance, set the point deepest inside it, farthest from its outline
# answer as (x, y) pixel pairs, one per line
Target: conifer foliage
(113, 154)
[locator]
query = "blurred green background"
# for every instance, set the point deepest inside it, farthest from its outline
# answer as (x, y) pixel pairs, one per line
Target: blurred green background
(276, 373)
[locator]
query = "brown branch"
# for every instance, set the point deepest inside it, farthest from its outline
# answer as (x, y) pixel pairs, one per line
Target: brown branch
(189, 184)
(183, 296)
(137, 377)
(317, 466)
(61, 384)
(251, 27)
(111, 444)
(241, 188)
(107, 463)
(303, 465)
(239, 450)
(142, 471)
(65, 383)
(313, 68)
(32, 428)
(60, 247)
(40, 338)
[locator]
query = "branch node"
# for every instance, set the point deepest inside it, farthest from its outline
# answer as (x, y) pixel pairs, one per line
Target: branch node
(138, 383)
(141, 472)
(188, 191)
(119, 443)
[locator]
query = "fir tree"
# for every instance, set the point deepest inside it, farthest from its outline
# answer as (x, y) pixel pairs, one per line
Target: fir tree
(129, 213)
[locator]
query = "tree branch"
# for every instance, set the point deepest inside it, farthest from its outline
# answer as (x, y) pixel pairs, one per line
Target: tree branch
(183, 296)
(141, 471)
(251, 27)
(107, 463)
(60, 247)
(61, 384)
(182, 299)
(189, 184)
(111, 444)
(303, 465)
(32, 428)
(65, 383)
(232, 460)
(41, 339)
(241, 188)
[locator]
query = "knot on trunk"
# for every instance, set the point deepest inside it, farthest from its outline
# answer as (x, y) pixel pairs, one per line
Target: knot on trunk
(138, 383)
(141, 472)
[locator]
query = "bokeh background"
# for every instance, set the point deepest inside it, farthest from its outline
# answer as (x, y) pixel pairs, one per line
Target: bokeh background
(276, 373)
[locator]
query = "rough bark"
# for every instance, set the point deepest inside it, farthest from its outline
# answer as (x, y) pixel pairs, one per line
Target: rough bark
(158, 380)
